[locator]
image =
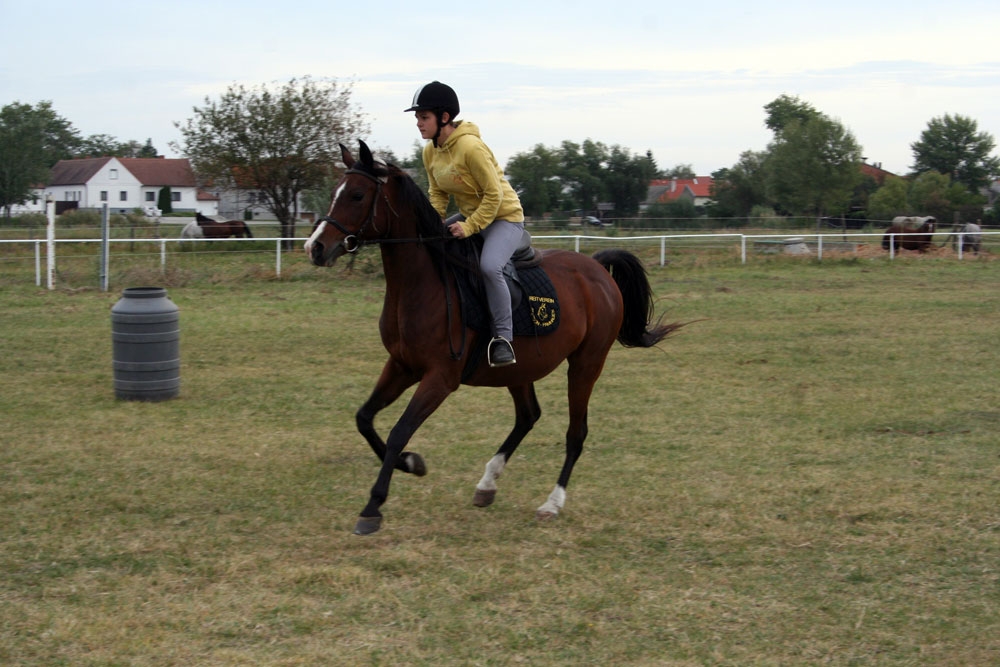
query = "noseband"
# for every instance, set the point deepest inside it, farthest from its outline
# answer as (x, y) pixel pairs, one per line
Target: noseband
(351, 242)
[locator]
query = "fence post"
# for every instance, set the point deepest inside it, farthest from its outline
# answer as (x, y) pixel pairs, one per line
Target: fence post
(743, 249)
(38, 263)
(50, 242)
(277, 258)
(663, 251)
(105, 223)
(819, 247)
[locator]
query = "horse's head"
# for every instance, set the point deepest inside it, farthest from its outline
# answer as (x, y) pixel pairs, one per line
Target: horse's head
(374, 202)
(354, 216)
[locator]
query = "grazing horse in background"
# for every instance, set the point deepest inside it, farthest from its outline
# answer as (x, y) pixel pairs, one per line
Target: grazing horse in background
(969, 234)
(599, 300)
(213, 229)
(910, 233)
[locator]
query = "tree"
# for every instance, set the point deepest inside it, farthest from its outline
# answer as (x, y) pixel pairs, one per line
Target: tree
(784, 110)
(953, 145)
(678, 171)
(164, 200)
(736, 190)
(104, 145)
(32, 140)
(626, 179)
(890, 200)
(278, 140)
(813, 166)
(534, 176)
(580, 167)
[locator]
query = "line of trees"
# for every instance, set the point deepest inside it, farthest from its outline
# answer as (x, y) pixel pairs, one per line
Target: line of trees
(282, 140)
(813, 167)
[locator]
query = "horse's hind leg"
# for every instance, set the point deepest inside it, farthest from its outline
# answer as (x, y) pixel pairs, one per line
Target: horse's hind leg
(393, 381)
(527, 412)
(582, 378)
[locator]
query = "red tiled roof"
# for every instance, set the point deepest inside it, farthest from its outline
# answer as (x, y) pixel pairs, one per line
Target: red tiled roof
(160, 171)
(699, 186)
(148, 171)
(876, 172)
(76, 172)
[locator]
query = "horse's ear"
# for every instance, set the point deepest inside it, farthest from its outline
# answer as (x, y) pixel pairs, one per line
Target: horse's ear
(346, 156)
(365, 154)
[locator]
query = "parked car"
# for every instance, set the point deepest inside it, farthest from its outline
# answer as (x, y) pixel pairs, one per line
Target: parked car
(591, 220)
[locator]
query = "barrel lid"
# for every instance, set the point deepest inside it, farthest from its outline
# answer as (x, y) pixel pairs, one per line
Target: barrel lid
(144, 292)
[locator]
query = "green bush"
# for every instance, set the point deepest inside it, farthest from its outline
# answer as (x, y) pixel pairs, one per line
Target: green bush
(29, 220)
(80, 217)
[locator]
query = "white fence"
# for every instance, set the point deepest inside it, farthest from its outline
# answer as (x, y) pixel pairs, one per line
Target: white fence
(811, 245)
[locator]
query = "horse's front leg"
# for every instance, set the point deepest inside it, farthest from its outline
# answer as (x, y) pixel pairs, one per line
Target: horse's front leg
(429, 395)
(393, 381)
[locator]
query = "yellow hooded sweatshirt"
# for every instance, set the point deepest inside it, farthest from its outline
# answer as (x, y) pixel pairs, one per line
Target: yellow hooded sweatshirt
(465, 168)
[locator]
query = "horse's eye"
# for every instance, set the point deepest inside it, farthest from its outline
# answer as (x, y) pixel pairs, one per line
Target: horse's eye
(357, 195)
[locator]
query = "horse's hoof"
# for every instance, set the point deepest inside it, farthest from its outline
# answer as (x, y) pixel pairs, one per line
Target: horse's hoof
(545, 515)
(367, 525)
(415, 464)
(484, 498)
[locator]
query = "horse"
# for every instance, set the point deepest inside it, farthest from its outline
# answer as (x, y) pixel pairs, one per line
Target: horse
(910, 233)
(213, 229)
(600, 300)
(192, 230)
(969, 235)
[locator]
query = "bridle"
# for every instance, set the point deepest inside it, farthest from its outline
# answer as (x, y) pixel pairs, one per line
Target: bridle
(351, 242)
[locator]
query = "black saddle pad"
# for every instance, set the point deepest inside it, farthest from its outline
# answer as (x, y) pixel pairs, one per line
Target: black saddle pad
(535, 308)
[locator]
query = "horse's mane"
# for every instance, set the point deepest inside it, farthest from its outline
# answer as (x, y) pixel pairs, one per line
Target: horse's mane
(443, 248)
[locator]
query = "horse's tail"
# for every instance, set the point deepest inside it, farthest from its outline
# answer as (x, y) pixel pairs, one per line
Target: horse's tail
(629, 274)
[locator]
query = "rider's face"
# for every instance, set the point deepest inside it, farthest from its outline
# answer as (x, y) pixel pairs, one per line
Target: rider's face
(427, 124)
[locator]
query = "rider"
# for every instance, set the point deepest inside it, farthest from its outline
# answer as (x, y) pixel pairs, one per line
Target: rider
(459, 164)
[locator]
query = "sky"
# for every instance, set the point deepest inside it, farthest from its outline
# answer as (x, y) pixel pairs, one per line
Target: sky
(687, 82)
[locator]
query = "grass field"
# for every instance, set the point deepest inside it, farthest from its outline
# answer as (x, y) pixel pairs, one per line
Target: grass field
(808, 475)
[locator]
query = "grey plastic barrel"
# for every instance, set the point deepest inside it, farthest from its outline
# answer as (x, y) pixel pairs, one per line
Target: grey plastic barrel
(145, 337)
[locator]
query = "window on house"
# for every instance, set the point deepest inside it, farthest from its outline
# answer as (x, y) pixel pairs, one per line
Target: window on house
(113, 174)
(104, 195)
(175, 196)
(123, 195)
(150, 196)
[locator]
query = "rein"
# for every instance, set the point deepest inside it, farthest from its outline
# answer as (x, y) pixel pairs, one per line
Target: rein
(352, 244)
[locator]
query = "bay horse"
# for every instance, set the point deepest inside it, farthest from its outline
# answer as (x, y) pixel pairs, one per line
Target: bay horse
(213, 229)
(601, 299)
(910, 233)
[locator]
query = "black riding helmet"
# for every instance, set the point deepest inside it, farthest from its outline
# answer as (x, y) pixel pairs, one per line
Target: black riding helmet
(437, 98)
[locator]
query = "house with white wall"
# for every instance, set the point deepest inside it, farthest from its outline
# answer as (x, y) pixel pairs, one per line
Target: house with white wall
(125, 184)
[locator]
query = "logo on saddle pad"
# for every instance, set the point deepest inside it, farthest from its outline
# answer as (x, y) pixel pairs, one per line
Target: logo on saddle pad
(543, 310)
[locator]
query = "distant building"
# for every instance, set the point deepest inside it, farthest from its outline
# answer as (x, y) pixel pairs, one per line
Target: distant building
(125, 184)
(876, 172)
(666, 190)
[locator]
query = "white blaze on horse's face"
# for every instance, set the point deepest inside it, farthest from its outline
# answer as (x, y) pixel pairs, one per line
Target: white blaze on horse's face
(321, 227)
(312, 238)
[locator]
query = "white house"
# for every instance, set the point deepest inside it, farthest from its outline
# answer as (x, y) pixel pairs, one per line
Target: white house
(125, 184)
